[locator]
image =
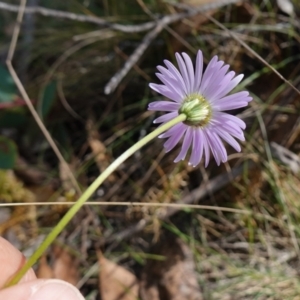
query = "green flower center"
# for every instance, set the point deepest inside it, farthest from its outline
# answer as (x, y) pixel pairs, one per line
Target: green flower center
(197, 110)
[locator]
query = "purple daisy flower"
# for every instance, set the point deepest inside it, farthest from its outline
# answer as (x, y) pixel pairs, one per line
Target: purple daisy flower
(202, 98)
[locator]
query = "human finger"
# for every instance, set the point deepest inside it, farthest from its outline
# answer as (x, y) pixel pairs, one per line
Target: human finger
(50, 289)
(11, 261)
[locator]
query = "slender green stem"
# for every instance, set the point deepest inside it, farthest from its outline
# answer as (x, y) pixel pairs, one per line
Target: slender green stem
(87, 194)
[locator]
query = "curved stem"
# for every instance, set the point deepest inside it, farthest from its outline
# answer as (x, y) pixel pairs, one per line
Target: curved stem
(87, 194)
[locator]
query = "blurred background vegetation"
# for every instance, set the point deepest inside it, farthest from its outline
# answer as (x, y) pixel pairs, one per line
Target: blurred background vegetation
(66, 63)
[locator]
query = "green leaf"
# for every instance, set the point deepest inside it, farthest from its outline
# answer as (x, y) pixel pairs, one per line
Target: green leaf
(47, 99)
(13, 117)
(8, 153)
(8, 89)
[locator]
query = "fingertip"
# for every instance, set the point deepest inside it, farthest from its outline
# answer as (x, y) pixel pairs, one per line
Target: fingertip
(11, 261)
(42, 289)
(55, 289)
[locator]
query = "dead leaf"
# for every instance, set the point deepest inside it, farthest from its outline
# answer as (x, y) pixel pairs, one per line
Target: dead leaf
(101, 157)
(96, 145)
(44, 270)
(173, 278)
(116, 283)
(64, 267)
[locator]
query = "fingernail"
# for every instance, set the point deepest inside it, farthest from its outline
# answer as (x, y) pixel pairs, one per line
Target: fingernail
(55, 289)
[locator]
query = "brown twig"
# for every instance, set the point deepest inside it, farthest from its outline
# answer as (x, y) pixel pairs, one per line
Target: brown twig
(168, 28)
(65, 103)
(25, 96)
(135, 67)
(160, 25)
(132, 60)
(46, 12)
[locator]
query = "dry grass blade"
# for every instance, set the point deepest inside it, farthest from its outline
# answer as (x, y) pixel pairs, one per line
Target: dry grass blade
(253, 52)
(96, 20)
(235, 37)
(168, 205)
(26, 97)
(80, 18)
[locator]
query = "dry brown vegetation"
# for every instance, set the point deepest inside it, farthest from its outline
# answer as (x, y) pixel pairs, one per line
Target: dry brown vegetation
(249, 249)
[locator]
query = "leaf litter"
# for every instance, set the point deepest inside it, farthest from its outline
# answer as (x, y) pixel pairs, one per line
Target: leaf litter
(229, 256)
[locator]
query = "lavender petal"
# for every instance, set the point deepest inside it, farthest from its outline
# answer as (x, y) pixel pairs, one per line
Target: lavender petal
(165, 91)
(197, 150)
(175, 138)
(233, 101)
(163, 106)
(183, 70)
(186, 144)
(231, 85)
(198, 71)
(229, 139)
(206, 149)
(176, 74)
(165, 118)
(218, 146)
(171, 131)
(172, 78)
(190, 70)
(172, 85)
(227, 117)
(210, 71)
(216, 82)
(223, 85)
